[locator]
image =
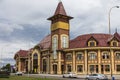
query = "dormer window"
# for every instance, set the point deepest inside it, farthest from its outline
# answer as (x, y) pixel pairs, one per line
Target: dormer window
(92, 43)
(114, 44)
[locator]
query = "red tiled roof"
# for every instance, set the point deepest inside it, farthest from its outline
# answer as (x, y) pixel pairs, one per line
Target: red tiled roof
(81, 41)
(22, 53)
(60, 9)
(45, 43)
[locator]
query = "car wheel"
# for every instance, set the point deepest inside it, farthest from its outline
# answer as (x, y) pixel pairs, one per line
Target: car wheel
(97, 79)
(63, 76)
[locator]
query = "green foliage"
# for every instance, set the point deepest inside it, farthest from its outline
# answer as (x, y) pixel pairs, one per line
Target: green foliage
(7, 67)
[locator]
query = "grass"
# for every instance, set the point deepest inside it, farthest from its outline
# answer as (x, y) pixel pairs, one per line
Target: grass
(24, 78)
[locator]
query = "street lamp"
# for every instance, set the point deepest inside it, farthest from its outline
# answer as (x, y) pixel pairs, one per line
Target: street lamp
(109, 16)
(110, 33)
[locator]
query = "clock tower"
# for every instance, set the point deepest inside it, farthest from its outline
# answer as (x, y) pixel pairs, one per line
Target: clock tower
(60, 28)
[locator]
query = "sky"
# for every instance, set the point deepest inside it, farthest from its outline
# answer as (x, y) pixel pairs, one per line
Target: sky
(23, 23)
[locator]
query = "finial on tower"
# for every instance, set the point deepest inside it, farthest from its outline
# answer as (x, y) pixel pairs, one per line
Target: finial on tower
(116, 30)
(60, 1)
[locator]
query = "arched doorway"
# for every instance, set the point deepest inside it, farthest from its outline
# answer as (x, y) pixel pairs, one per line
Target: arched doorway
(35, 63)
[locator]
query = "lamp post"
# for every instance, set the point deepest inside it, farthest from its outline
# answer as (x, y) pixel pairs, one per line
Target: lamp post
(110, 33)
(109, 16)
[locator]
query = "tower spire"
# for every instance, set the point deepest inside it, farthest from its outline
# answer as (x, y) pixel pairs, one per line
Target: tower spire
(60, 9)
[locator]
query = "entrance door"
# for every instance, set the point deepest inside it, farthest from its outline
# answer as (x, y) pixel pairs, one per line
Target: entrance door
(55, 69)
(62, 69)
(44, 65)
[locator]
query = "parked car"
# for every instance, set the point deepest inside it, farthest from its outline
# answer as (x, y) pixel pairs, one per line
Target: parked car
(96, 77)
(19, 73)
(70, 75)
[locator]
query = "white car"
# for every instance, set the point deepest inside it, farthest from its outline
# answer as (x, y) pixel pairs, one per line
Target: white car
(70, 75)
(96, 77)
(19, 73)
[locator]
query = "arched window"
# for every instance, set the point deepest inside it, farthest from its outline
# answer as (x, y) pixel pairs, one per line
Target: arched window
(92, 56)
(114, 44)
(92, 44)
(64, 41)
(118, 55)
(105, 55)
(35, 56)
(54, 43)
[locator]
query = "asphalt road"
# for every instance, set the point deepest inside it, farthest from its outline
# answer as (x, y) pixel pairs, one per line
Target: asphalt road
(58, 77)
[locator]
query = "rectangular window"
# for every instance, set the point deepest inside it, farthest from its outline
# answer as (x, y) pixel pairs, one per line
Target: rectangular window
(107, 68)
(92, 68)
(118, 68)
(79, 68)
(79, 57)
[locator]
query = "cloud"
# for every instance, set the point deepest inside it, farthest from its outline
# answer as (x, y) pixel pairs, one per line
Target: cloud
(24, 21)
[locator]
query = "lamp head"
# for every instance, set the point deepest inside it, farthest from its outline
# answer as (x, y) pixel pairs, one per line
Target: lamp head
(117, 6)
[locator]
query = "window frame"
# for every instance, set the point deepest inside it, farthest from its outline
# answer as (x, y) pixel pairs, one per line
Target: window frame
(80, 69)
(92, 56)
(105, 55)
(69, 56)
(64, 41)
(79, 56)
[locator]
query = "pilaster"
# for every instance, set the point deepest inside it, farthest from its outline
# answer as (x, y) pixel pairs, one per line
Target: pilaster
(112, 60)
(86, 62)
(59, 63)
(38, 62)
(74, 65)
(99, 61)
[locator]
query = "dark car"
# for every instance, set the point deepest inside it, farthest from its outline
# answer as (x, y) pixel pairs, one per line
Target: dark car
(96, 77)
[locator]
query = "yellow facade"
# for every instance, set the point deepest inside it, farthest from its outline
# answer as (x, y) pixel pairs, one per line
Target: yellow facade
(60, 25)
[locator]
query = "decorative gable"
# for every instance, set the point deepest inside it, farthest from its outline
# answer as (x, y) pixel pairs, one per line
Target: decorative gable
(92, 42)
(113, 41)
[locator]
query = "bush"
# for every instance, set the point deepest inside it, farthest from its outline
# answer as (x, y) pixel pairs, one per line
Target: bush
(5, 74)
